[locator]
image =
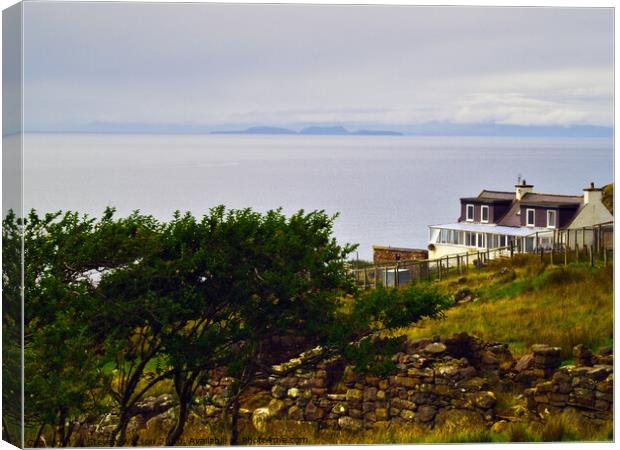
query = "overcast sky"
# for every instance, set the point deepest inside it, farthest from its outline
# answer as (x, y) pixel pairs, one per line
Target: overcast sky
(289, 64)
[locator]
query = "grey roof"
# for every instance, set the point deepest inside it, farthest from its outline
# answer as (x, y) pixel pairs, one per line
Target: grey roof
(486, 200)
(498, 195)
(512, 218)
(535, 197)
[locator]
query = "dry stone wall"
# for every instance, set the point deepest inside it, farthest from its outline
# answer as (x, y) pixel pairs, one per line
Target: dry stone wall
(586, 387)
(441, 382)
(437, 382)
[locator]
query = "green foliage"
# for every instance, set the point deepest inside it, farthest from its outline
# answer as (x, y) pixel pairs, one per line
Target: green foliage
(394, 308)
(118, 306)
(11, 328)
(608, 197)
(372, 357)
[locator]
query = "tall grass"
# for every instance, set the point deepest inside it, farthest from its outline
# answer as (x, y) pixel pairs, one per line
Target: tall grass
(556, 305)
(556, 429)
(538, 303)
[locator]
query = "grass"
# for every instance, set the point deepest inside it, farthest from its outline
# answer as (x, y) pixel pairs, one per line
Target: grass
(557, 305)
(530, 303)
(561, 428)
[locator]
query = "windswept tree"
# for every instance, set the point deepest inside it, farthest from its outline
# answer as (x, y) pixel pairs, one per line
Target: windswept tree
(65, 257)
(264, 276)
(12, 400)
(171, 301)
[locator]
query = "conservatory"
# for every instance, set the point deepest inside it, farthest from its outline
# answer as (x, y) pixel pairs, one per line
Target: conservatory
(465, 237)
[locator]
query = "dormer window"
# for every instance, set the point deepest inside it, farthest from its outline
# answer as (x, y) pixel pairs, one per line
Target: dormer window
(530, 217)
(469, 216)
(484, 214)
(551, 223)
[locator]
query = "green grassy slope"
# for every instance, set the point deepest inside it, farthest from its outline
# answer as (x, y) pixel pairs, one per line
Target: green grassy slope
(533, 303)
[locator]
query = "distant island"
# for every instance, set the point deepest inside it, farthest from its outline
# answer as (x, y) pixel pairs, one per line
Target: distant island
(312, 131)
(434, 128)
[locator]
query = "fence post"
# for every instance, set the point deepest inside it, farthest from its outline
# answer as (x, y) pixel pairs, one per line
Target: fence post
(542, 252)
(552, 252)
(397, 275)
(566, 255)
(583, 235)
(576, 249)
(605, 256)
(591, 254)
(512, 249)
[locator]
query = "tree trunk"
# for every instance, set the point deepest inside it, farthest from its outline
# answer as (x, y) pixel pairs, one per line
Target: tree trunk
(37, 438)
(61, 428)
(234, 426)
(67, 437)
(175, 433)
(6, 435)
(119, 435)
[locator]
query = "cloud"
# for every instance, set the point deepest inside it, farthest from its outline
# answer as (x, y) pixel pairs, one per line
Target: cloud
(285, 64)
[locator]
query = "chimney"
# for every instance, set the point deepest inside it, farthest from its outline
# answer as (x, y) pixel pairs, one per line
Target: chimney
(592, 194)
(522, 189)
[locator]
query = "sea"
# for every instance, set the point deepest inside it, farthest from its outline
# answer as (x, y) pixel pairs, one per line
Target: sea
(386, 190)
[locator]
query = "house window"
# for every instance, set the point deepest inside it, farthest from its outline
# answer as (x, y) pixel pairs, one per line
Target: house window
(481, 240)
(530, 217)
(484, 214)
(470, 213)
(470, 239)
(550, 219)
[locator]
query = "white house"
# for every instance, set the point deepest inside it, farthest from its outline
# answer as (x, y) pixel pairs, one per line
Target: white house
(523, 218)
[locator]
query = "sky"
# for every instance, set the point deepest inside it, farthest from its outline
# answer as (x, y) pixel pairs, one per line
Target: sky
(226, 66)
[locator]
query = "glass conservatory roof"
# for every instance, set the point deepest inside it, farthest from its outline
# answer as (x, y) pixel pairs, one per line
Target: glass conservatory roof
(492, 228)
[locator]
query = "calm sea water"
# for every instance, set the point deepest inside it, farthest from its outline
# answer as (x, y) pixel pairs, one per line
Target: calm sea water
(386, 189)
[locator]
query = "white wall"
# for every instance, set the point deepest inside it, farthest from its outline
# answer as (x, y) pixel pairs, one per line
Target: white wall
(593, 213)
(447, 249)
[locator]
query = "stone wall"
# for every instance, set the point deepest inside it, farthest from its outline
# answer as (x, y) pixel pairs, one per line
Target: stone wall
(440, 382)
(382, 254)
(437, 382)
(586, 387)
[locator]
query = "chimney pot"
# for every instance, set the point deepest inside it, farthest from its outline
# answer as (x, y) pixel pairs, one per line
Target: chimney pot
(591, 194)
(522, 189)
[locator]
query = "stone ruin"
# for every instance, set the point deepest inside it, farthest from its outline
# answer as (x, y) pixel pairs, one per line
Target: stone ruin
(586, 387)
(441, 382)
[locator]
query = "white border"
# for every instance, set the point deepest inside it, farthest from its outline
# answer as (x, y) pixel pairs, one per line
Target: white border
(502, 3)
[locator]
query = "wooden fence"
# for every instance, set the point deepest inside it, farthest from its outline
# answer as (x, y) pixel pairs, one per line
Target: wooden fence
(593, 245)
